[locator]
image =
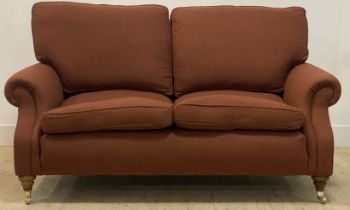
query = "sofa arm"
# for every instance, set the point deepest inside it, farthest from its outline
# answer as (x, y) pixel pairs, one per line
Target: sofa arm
(305, 81)
(40, 81)
(33, 90)
(313, 90)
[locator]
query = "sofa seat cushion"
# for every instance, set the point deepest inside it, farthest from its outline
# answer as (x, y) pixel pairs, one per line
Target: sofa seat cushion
(229, 110)
(109, 110)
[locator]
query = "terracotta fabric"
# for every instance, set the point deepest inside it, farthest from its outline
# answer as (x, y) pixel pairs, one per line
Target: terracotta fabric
(313, 90)
(240, 48)
(109, 110)
(100, 47)
(175, 152)
(230, 110)
(33, 90)
(120, 58)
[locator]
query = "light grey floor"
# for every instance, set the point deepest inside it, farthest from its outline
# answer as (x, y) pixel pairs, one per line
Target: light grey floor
(72, 192)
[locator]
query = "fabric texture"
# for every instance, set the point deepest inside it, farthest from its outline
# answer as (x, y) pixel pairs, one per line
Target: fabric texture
(114, 62)
(230, 110)
(33, 90)
(313, 90)
(109, 110)
(175, 152)
(101, 47)
(239, 48)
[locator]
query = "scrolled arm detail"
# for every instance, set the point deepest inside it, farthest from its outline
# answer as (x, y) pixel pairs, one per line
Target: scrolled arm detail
(313, 90)
(40, 81)
(305, 81)
(33, 90)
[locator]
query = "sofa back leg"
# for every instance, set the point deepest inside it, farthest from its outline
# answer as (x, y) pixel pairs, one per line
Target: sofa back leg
(320, 183)
(27, 184)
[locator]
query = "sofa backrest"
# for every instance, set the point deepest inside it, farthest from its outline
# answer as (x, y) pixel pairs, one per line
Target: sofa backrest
(97, 47)
(242, 48)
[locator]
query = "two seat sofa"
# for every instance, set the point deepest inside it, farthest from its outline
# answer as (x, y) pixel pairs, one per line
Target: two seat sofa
(121, 90)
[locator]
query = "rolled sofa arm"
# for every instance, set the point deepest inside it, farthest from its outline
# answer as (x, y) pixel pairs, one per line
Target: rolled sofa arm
(33, 90)
(313, 90)
(305, 81)
(41, 82)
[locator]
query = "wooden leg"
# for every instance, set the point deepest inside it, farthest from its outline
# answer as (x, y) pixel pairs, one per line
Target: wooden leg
(27, 184)
(320, 183)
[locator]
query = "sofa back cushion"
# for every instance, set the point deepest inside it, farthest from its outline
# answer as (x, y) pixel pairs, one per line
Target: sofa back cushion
(98, 47)
(241, 48)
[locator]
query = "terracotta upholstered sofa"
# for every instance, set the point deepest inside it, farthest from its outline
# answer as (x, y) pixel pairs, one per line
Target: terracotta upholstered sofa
(123, 90)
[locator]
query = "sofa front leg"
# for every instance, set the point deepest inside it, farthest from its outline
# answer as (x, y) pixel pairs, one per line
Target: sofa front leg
(27, 184)
(320, 183)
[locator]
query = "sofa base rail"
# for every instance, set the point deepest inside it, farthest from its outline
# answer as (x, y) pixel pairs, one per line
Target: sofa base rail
(175, 152)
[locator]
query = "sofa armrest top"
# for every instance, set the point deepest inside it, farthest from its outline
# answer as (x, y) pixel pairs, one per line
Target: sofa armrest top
(40, 81)
(305, 81)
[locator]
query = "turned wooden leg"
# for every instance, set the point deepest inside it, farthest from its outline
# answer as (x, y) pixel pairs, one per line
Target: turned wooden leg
(27, 184)
(320, 183)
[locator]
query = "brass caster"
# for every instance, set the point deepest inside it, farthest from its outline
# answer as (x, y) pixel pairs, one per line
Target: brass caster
(27, 184)
(320, 183)
(27, 197)
(321, 197)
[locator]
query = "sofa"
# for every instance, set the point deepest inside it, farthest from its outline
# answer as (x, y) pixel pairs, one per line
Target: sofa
(212, 90)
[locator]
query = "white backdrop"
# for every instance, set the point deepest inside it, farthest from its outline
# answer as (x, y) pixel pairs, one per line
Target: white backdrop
(329, 46)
